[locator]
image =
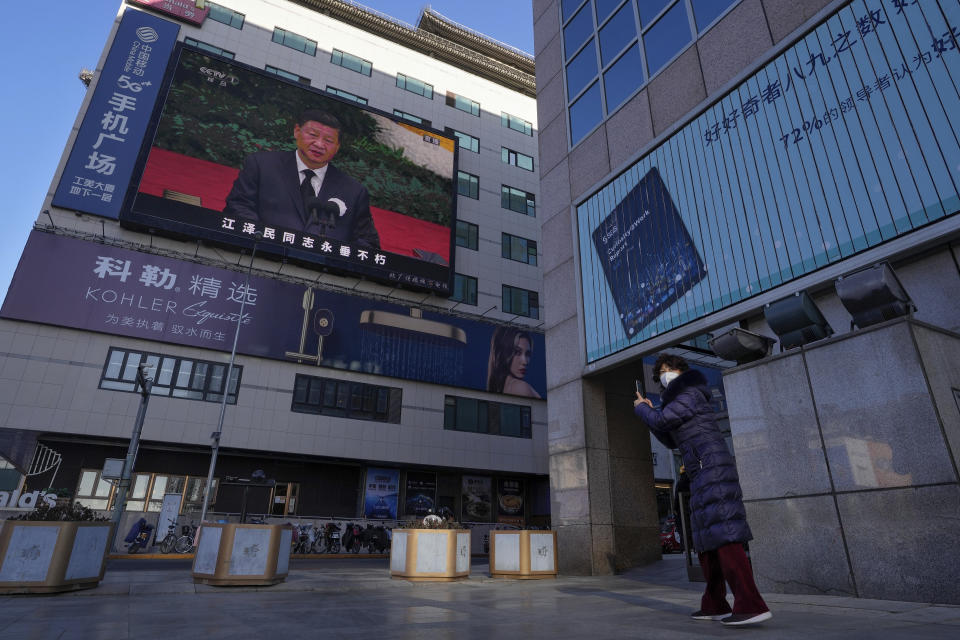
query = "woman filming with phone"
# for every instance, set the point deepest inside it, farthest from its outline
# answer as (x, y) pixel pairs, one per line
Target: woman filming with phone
(718, 519)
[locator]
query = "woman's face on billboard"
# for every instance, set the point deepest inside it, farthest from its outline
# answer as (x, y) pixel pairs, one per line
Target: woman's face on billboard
(520, 358)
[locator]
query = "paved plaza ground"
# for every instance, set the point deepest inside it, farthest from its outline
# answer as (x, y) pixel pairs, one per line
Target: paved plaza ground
(357, 599)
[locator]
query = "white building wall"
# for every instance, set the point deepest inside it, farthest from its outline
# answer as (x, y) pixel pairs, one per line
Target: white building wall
(49, 376)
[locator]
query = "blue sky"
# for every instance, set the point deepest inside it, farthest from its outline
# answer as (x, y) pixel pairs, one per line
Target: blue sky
(46, 48)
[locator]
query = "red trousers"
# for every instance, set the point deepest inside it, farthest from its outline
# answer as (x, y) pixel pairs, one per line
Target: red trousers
(729, 564)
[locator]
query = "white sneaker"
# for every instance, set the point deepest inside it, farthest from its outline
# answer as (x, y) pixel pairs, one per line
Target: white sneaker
(741, 619)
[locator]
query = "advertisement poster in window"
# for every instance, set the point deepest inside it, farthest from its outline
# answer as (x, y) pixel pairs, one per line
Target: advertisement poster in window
(647, 255)
(510, 501)
(421, 493)
(169, 513)
(380, 495)
(476, 499)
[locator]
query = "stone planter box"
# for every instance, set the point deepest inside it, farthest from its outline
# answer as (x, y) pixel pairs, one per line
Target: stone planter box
(523, 554)
(242, 554)
(50, 557)
(430, 554)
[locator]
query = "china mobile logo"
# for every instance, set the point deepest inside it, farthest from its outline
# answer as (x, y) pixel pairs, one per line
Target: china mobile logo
(147, 34)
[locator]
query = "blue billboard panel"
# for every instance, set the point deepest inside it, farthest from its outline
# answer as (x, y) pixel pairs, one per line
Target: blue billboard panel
(847, 139)
(122, 292)
(381, 493)
(98, 172)
(647, 256)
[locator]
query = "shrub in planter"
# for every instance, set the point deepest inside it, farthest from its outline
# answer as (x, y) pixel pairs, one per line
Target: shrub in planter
(53, 548)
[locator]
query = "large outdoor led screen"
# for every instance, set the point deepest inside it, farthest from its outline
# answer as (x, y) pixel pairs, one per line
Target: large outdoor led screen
(222, 165)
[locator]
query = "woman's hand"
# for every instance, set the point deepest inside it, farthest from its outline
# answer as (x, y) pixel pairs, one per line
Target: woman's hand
(641, 400)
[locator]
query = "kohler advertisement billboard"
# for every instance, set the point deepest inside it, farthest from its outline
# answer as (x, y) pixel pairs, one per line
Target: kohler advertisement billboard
(107, 289)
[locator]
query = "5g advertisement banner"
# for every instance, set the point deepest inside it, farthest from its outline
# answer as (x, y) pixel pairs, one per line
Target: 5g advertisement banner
(191, 145)
(107, 289)
(847, 139)
(104, 153)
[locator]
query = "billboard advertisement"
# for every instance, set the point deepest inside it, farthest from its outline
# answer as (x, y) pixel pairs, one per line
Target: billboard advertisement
(102, 161)
(844, 141)
(227, 163)
(190, 11)
(108, 289)
(647, 256)
(380, 494)
(510, 501)
(421, 494)
(476, 499)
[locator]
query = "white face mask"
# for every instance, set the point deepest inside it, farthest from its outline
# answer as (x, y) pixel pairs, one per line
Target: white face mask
(667, 377)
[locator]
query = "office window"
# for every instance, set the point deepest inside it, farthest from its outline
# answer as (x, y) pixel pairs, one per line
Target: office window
(468, 185)
(515, 123)
(668, 35)
(172, 376)
(346, 399)
(466, 140)
(294, 41)
(608, 59)
(519, 249)
(484, 416)
(146, 492)
(464, 289)
(413, 85)
(409, 117)
(286, 74)
(706, 11)
(521, 302)
(517, 200)
(463, 104)
(209, 48)
(467, 234)
(516, 158)
(227, 16)
(352, 62)
(346, 94)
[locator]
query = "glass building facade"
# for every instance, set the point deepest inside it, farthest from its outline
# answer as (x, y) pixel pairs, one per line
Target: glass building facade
(613, 47)
(847, 139)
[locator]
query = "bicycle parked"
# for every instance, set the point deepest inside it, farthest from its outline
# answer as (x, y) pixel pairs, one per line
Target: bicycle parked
(182, 543)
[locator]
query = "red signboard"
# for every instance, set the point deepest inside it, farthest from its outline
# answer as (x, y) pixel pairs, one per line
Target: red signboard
(185, 10)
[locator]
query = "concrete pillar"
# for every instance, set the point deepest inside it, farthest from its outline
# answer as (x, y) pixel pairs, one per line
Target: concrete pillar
(847, 452)
(601, 479)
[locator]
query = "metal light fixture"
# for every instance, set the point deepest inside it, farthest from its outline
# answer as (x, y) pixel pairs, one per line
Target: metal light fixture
(873, 294)
(796, 320)
(741, 346)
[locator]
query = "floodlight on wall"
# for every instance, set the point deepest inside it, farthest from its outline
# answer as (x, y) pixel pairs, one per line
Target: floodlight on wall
(741, 346)
(796, 320)
(873, 295)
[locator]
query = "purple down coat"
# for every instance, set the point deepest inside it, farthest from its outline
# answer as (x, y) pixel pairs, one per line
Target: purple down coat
(716, 500)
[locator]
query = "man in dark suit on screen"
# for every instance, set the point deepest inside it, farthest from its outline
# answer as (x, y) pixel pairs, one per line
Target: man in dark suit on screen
(301, 191)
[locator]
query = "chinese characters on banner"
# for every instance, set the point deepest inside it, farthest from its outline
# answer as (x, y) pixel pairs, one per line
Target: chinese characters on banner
(101, 163)
(96, 287)
(380, 493)
(819, 61)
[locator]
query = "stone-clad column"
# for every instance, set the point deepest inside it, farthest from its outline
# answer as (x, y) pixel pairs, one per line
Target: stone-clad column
(601, 479)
